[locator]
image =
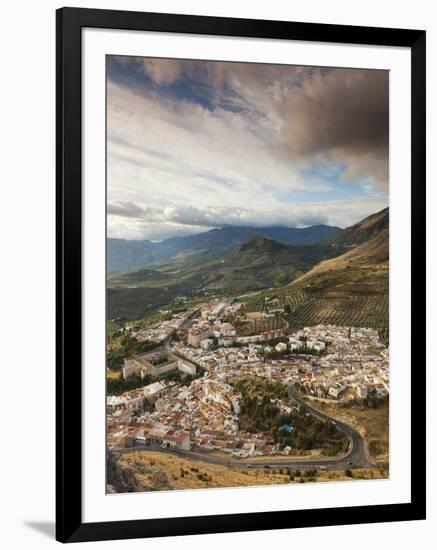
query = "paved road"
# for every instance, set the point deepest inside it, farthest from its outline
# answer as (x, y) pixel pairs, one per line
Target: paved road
(355, 458)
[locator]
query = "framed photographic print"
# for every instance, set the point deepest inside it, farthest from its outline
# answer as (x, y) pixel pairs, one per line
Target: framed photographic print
(240, 274)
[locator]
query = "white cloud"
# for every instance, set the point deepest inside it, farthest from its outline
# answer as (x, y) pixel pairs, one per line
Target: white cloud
(180, 219)
(175, 167)
(127, 209)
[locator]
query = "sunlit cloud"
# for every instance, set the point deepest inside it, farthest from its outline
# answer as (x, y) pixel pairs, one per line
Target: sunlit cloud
(194, 145)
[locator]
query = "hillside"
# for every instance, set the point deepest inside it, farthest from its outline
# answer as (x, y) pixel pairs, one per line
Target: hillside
(261, 262)
(349, 289)
(370, 255)
(258, 263)
(363, 231)
(124, 255)
(140, 276)
(342, 281)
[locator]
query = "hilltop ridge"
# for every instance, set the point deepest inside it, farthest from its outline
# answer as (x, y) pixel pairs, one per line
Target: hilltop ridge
(342, 279)
(123, 255)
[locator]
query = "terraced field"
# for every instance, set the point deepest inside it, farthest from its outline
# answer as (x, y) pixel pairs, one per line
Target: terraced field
(356, 311)
(360, 301)
(295, 301)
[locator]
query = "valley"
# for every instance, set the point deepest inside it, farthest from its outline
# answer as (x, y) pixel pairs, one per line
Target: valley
(340, 280)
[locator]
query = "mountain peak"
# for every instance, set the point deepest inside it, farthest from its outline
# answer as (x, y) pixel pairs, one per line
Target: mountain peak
(124, 255)
(257, 243)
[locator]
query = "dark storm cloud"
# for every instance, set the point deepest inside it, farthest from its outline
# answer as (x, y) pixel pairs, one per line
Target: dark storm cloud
(342, 116)
(199, 144)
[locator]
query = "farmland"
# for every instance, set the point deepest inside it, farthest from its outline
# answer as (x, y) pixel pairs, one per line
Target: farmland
(359, 302)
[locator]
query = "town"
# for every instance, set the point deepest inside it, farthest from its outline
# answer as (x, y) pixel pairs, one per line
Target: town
(190, 395)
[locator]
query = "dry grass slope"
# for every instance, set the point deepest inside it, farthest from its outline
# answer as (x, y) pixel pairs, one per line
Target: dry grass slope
(373, 424)
(180, 473)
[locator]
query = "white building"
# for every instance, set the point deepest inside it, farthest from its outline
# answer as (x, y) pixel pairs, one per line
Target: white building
(281, 346)
(225, 341)
(336, 390)
(314, 344)
(187, 367)
(206, 344)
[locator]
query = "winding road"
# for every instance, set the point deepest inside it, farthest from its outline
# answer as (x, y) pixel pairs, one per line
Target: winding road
(356, 457)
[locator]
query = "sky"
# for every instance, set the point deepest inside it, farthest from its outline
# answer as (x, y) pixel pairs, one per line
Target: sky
(193, 145)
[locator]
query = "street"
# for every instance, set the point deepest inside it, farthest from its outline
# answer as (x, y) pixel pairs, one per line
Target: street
(355, 458)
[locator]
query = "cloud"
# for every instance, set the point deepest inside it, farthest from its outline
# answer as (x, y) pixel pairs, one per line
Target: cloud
(161, 71)
(127, 209)
(265, 144)
(342, 213)
(172, 149)
(178, 219)
(342, 117)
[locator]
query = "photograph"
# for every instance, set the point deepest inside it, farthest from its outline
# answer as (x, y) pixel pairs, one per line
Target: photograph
(247, 274)
(218, 217)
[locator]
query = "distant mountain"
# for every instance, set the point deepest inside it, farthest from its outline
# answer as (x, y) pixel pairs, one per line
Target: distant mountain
(258, 263)
(229, 238)
(342, 280)
(124, 255)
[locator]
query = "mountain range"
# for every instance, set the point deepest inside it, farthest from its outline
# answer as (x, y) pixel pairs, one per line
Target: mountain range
(340, 278)
(123, 255)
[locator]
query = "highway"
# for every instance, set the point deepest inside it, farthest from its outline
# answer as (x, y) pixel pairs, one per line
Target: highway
(355, 458)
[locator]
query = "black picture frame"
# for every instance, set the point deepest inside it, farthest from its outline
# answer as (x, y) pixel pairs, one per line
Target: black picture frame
(69, 24)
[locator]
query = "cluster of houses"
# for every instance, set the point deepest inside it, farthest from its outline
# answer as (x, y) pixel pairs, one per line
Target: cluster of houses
(202, 333)
(204, 415)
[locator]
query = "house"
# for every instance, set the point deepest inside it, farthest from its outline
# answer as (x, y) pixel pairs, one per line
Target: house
(282, 346)
(187, 367)
(225, 341)
(319, 346)
(154, 391)
(199, 332)
(248, 448)
(336, 390)
(294, 343)
(206, 344)
(129, 401)
(177, 439)
(316, 345)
